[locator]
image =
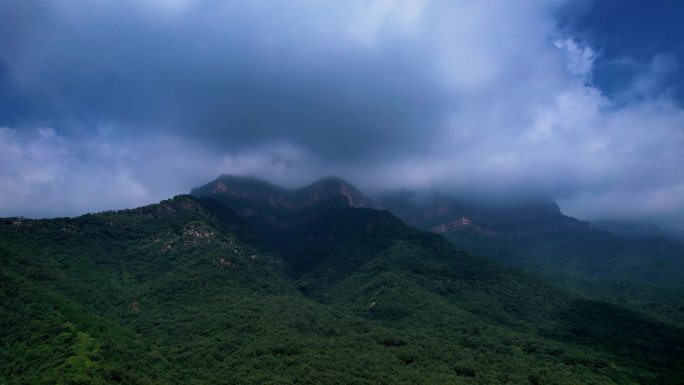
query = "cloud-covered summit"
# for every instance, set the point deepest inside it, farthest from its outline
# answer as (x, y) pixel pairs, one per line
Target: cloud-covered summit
(114, 104)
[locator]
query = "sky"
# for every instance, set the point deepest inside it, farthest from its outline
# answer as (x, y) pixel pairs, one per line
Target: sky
(115, 104)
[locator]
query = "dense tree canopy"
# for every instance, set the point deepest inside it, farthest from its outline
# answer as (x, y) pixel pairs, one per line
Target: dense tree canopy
(188, 292)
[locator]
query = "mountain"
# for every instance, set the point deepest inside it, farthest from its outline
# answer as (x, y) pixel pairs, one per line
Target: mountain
(646, 274)
(637, 230)
(188, 291)
(248, 194)
(440, 213)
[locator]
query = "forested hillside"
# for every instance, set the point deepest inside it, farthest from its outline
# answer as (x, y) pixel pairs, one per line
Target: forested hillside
(642, 273)
(187, 291)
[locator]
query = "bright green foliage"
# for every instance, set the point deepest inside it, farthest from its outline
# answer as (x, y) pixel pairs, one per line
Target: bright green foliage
(186, 292)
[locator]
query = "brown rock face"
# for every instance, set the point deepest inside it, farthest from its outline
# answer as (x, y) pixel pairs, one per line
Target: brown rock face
(443, 228)
(251, 197)
(248, 189)
(442, 214)
(330, 188)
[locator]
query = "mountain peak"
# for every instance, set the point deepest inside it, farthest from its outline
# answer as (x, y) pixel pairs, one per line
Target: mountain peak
(329, 187)
(442, 214)
(236, 185)
(331, 180)
(247, 191)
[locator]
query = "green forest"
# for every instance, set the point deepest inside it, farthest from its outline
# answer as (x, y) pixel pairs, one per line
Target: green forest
(188, 292)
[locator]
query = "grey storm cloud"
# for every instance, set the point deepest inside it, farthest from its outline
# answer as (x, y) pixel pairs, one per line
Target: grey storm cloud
(149, 98)
(235, 74)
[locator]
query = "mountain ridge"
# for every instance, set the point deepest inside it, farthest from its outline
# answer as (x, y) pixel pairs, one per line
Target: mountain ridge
(188, 291)
(438, 214)
(184, 292)
(258, 191)
(536, 237)
(441, 213)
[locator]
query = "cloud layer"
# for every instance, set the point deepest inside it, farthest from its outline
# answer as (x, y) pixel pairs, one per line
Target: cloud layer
(113, 104)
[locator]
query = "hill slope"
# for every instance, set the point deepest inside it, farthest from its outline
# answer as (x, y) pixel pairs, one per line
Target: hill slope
(646, 274)
(187, 291)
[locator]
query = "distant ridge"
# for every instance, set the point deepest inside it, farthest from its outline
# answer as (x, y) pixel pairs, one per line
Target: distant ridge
(442, 214)
(238, 191)
(251, 196)
(637, 230)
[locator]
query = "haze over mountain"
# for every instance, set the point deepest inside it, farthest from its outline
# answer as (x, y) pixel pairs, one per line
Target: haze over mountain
(107, 105)
(637, 230)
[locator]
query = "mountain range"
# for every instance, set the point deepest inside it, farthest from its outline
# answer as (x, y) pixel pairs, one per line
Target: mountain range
(643, 273)
(245, 282)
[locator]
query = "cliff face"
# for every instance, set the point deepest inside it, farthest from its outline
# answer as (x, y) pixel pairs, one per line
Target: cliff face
(249, 190)
(260, 200)
(329, 188)
(442, 214)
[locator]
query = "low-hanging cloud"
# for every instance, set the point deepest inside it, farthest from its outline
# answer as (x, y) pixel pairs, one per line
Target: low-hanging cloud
(113, 104)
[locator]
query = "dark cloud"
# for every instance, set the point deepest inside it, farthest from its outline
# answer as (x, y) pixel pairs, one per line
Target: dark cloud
(494, 99)
(234, 75)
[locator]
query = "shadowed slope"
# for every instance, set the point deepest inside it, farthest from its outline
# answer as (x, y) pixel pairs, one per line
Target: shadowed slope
(186, 292)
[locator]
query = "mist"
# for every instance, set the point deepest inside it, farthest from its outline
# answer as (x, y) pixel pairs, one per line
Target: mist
(109, 105)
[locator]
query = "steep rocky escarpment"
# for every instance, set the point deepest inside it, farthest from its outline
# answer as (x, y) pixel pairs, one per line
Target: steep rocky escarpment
(441, 214)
